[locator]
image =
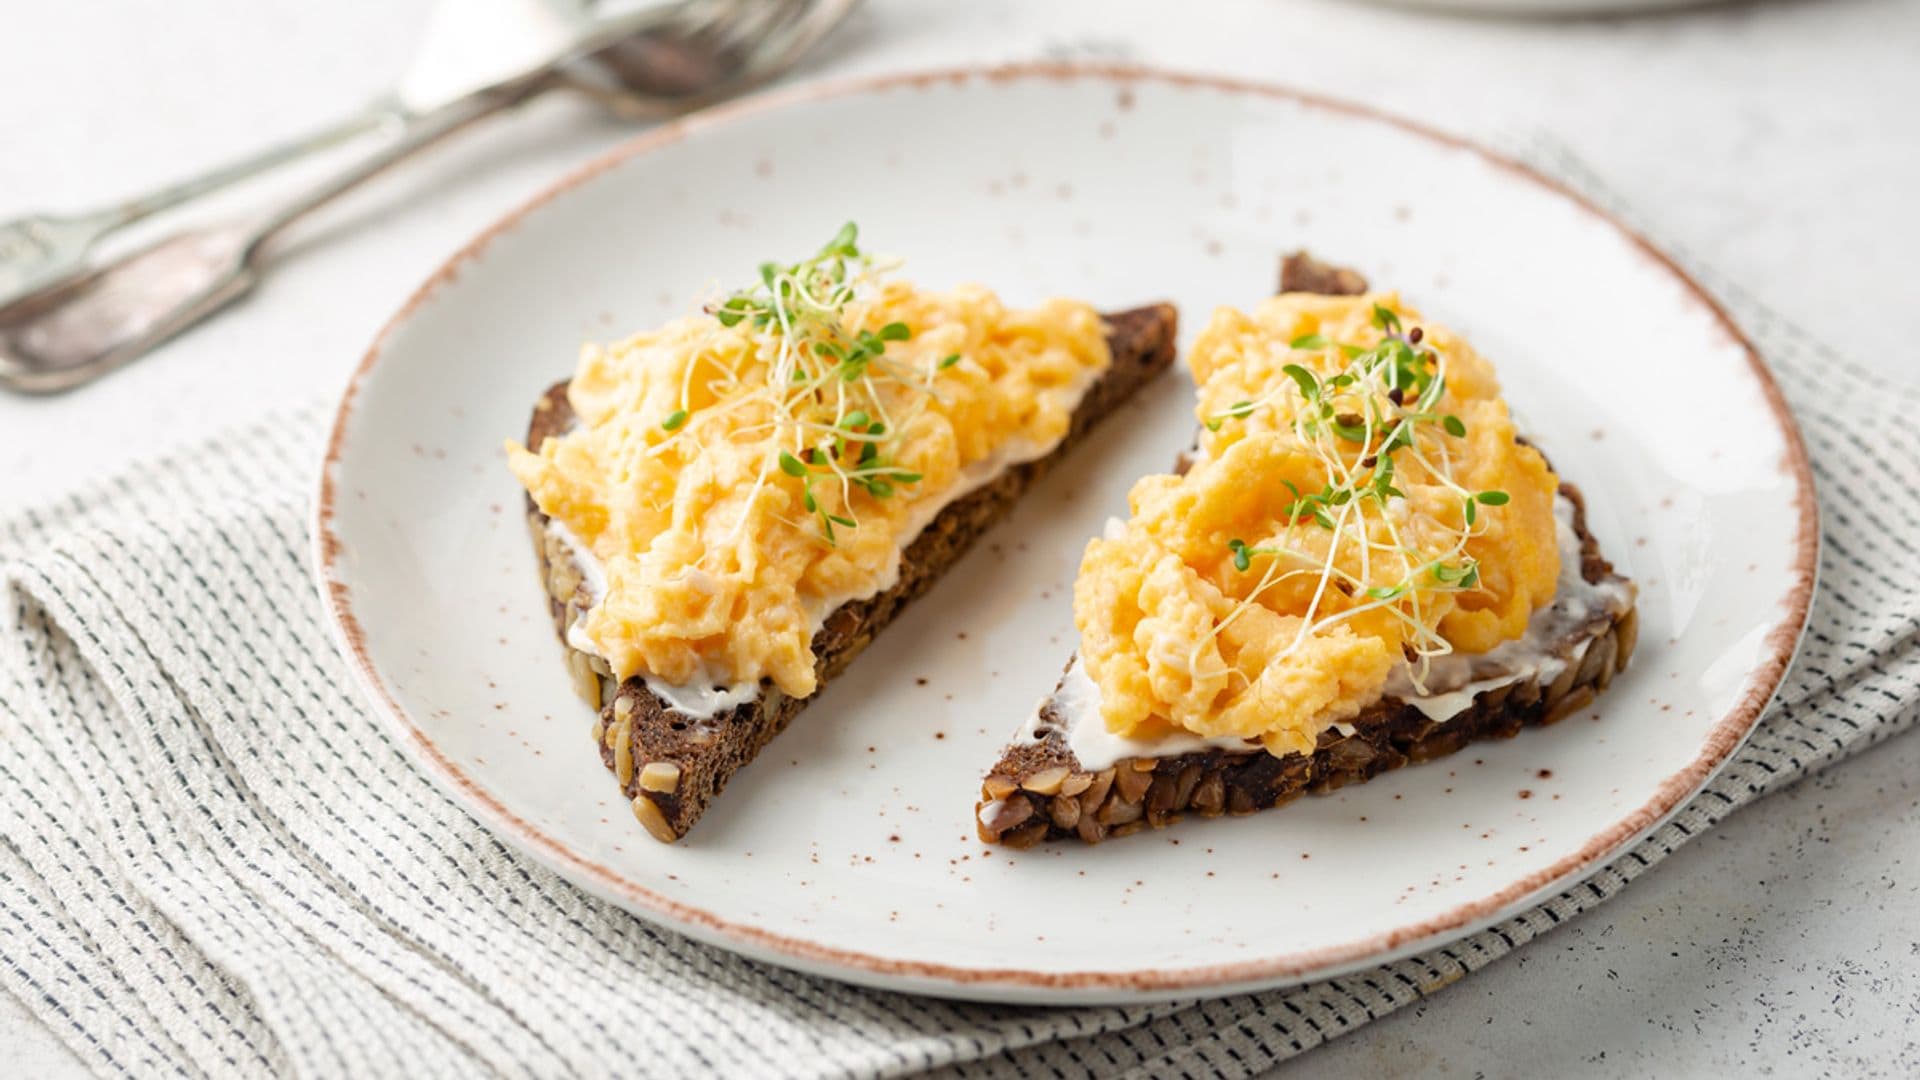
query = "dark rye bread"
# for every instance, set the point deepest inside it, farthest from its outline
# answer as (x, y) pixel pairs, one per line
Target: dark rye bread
(669, 765)
(1039, 790)
(1301, 272)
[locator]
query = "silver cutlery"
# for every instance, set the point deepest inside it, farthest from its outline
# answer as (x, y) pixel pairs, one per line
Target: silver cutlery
(62, 324)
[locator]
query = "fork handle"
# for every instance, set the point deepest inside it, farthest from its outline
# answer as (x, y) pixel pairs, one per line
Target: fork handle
(39, 250)
(378, 113)
(418, 133)
(74, 332)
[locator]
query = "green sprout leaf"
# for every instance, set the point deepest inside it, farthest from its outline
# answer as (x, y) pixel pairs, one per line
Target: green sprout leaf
(1308, 382)
(844, 242)
(1240, 559)
(1308, 341)
(674, 420)
(1455, 427)
(791, 465)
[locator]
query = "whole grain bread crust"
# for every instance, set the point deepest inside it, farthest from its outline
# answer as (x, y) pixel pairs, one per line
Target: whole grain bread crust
(669, 765)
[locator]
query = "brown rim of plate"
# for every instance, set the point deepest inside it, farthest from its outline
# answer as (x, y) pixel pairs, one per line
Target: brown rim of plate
(1725, 736)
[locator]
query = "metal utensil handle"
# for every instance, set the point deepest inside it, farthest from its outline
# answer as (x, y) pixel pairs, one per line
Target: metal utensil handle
(378, 113)
(418, 134)
(39, 250)
(121, 311)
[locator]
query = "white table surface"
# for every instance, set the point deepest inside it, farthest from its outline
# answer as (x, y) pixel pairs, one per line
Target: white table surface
(1777, 141)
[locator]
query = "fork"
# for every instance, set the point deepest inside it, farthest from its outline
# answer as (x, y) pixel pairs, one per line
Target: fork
(71, 327)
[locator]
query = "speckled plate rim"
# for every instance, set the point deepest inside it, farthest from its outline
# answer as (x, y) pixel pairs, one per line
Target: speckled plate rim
(1722, 740)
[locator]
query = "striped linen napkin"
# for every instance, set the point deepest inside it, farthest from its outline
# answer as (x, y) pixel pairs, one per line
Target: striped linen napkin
(214, 861)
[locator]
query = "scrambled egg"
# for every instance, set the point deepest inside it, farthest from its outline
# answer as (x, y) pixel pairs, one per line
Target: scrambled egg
(716, 568)
(1225, 609)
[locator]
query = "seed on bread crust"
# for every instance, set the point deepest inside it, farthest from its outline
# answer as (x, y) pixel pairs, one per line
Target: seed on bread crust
(661, 776)
(1005, 814)
(1131, 783)
(648, 813)
(1026, 836)
(1561, 685)
(1626, 633)
(1090, 829)
(1210, 796)
(1096, 793)
(623, 752)
(1184, 786)
(585, 683)
(1046, 781)
(1609, 647)
(1569, 705)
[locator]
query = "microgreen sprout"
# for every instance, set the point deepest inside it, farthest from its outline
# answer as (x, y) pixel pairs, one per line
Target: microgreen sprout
(830, 382)
(1358, 421)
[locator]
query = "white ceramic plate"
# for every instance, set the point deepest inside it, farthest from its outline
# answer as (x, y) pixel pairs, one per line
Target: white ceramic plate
(849, 847)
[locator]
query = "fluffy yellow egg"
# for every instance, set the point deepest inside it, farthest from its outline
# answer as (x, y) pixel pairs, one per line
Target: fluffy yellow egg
(1269, 591)
(719, 562)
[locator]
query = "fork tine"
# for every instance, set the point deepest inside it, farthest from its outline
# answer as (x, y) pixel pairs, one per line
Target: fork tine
(811, 20)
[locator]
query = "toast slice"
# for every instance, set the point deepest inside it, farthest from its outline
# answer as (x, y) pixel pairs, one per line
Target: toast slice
(671, 765)
(1041, 790)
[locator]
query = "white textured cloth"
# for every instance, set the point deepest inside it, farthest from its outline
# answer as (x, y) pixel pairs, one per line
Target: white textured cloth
(213, 861)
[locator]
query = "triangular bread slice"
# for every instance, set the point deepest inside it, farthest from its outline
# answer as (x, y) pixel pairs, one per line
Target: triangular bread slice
(670, 765)
(1060, 779)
